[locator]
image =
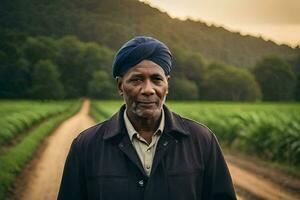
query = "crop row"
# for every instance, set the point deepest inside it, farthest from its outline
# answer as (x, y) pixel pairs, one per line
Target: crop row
(102, 110)
(14, 159)
(269, 131)
(19, 116)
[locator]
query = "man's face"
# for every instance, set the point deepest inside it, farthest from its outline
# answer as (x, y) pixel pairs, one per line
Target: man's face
(144, 88)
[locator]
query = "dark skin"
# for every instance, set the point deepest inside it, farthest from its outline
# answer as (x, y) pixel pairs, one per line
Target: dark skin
(144, 88)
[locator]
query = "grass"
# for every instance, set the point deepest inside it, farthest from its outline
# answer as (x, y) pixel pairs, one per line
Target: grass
(19, 116)
(15, 158)
(102, 110)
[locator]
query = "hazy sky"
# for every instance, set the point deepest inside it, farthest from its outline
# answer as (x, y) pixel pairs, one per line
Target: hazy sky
(278, 20)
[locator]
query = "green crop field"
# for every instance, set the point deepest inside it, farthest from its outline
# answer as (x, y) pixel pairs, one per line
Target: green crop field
(18, 116)
(267, 130)
(24, 126)
(270, 131)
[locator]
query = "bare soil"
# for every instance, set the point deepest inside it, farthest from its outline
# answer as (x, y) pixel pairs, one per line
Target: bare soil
(286, 184)
(41, 178)
(257, 186)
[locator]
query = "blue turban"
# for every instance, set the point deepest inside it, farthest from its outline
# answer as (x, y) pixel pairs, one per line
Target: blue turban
(142, 48)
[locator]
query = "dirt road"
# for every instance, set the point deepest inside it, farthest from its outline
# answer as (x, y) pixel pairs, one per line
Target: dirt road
(257, 186)
(42, 180)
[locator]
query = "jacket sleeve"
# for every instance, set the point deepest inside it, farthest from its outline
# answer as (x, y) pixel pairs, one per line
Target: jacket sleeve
(73, 181)
(217, 180)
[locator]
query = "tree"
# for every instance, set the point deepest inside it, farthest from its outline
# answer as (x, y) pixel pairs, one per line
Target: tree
(45, 81)
(101, 86)
(77, 61)
(276, 79)
(69, 63)
(94, 58)
(39, 48)
(182, 89)
(229, 84)
(112, 22)
(188, 66)
(193, 68)
(295, 63)
(13, 68)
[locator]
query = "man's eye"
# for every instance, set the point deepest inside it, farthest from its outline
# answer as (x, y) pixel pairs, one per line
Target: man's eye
(135, 79)
(158, 79)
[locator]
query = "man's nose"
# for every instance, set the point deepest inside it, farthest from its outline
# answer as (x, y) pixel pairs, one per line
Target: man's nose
(147, 88)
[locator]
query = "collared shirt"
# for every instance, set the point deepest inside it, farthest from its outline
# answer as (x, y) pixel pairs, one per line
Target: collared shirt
(144, 150)
(189, 165)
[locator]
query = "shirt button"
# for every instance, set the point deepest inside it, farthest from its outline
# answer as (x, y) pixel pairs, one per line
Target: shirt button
(148, 150)
(141, 183)
(148, 167)
(165, 143)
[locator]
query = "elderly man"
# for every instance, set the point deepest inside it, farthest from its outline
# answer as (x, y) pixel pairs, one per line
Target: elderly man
(145, 151)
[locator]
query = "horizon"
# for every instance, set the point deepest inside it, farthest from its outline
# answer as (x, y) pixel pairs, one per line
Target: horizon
(279, 23)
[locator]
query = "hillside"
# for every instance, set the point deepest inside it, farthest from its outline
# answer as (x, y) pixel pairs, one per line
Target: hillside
(111, 22)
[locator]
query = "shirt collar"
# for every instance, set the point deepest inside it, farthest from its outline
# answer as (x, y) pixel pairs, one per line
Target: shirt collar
(115, 126)
(131, 130)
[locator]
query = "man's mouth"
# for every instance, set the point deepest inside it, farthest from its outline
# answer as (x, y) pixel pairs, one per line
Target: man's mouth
(147, 103)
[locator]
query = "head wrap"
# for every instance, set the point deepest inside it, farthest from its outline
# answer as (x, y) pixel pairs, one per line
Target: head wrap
(142, 48)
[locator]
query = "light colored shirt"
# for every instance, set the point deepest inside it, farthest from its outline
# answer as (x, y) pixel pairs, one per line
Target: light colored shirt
(144, 150)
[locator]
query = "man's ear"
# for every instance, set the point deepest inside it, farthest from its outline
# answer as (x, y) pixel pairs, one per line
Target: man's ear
(119, 85)
(168, 81)
(168, 78)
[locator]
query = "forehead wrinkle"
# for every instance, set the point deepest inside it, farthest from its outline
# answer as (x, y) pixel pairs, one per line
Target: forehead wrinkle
(145, 67)
(145, 74)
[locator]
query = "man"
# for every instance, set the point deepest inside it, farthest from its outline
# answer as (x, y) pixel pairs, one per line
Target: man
(145, 152)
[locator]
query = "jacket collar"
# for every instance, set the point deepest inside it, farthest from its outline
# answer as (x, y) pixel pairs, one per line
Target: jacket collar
(116, 126)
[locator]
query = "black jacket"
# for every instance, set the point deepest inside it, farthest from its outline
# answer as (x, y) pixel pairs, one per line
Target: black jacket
(188, 164)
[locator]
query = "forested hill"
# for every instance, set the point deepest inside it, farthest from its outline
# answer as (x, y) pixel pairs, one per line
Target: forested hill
(111, 22)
